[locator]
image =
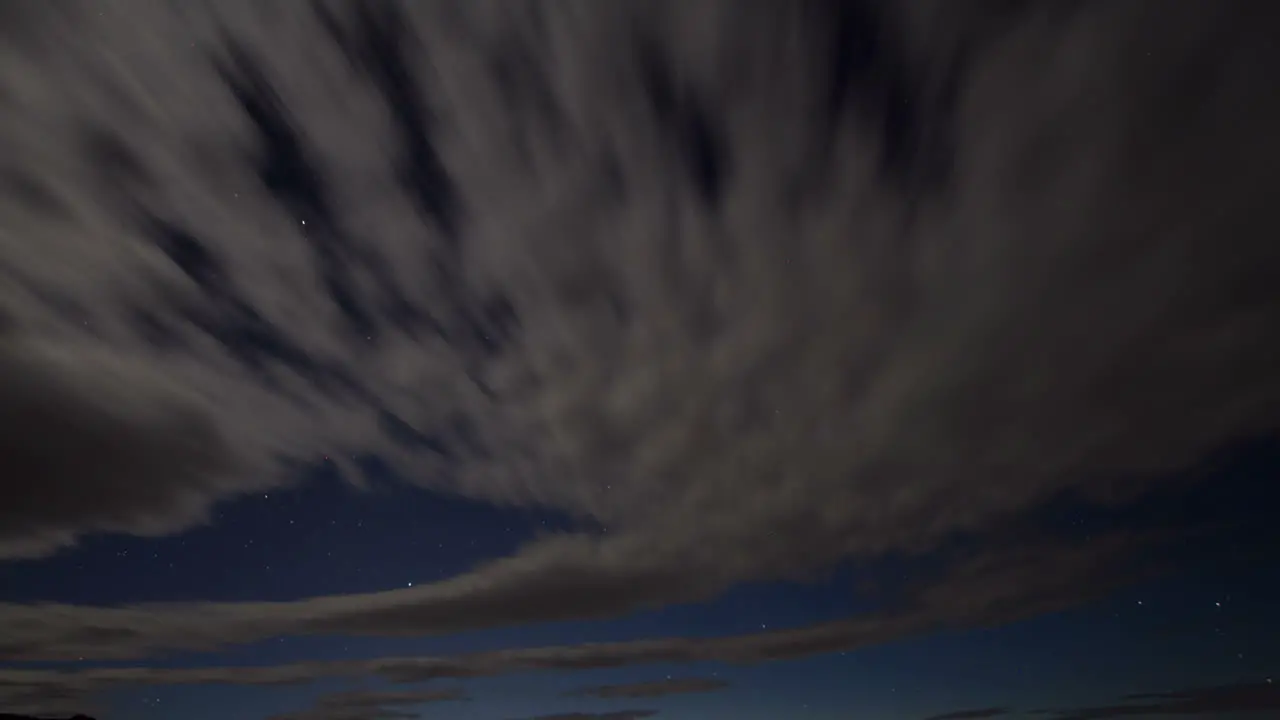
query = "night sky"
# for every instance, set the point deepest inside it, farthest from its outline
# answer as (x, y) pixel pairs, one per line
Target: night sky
(584, 360)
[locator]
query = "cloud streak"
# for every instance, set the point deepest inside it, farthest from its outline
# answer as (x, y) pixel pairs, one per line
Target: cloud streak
(982, 589)
(613, 715)
(658, 688)
(971, 714)
(1211, 701)
(372, 705)
(992, 584)
(1216, 701)
(580, 265)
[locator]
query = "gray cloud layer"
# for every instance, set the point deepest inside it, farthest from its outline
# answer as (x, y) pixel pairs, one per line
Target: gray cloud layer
(993, 585)
(1217, 701)
(658, 688)
(613, 715)
(981, 590)
(658, 265)
(971, 714)
(372, 705)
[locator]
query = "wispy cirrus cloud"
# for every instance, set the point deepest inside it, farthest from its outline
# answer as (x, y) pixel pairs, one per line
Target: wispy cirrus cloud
(1215, 701)
(747, 353)
(980, 714)
(1218, 701)
(656, 688)
(994, 584)
(373, 705)
(611, 715)
(982, 589)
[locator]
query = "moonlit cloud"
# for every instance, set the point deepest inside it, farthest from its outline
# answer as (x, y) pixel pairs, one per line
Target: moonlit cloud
(658, 688)
(971, 714)
(990, 586)
(1217, 701)
(613, 715)
(662, 266)
(371, 705)
(985, 589)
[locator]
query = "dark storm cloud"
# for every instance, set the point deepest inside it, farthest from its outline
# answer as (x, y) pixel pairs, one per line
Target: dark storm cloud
(659, 688)
(646, 317)
(971, 714)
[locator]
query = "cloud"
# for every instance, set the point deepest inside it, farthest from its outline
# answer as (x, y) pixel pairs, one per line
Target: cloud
(980, 589)
(991, 584)
(659, 688)
(8, 716)
(1212, 701)
(372, 705)
(613, 715)
(561, 578)
(972, 714)
(369, 713)
(45, 694)
(134, 435)
(672, 270)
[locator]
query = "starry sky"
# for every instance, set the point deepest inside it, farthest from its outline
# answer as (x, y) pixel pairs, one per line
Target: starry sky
(570, 360)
